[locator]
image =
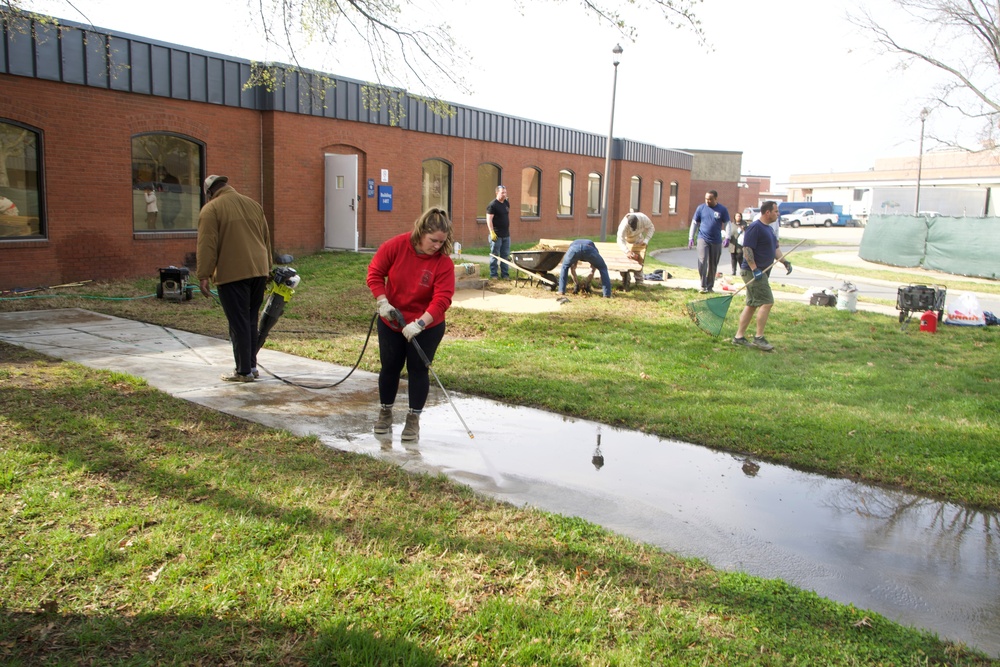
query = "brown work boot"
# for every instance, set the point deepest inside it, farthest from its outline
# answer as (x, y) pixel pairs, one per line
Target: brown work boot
(384, 422)
(411, 430)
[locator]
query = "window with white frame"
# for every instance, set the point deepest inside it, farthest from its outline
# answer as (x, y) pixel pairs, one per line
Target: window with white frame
(565, 204)
(531, 180)
(593, 193)
(487, 181)
(634, 192)
(436, 185)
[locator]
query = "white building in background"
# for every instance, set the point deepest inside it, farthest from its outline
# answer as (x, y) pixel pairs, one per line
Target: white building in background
(952, 182)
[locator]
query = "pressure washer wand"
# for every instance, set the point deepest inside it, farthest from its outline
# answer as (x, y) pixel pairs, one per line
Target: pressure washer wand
(398, 317)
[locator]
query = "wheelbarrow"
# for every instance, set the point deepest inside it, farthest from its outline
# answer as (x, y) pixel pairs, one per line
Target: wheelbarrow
(539, 263)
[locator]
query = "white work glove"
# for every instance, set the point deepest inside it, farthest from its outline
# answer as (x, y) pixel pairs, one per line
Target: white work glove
(384, 307)
(412, 329)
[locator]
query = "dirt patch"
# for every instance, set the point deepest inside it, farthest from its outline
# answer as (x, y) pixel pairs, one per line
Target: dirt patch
(539, 301)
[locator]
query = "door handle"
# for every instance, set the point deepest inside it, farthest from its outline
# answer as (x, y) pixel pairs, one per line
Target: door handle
(352, 204)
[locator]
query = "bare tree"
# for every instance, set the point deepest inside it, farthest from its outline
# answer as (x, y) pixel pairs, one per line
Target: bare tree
(961, 40)
(408, 43)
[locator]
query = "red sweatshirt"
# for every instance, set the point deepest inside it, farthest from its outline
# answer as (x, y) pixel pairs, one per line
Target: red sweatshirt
(412, 282)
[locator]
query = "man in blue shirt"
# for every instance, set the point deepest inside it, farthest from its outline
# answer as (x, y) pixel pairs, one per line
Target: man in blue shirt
(709, 220)
(760, 250)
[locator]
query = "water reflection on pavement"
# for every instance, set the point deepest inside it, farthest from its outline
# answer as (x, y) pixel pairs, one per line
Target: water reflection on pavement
(922, 562)
(919, 561)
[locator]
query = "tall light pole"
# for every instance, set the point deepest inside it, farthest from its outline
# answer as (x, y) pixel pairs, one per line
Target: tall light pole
(924, 113)
(617, 51)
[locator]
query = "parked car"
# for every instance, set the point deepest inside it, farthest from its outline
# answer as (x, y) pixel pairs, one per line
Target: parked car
(807, 216)
(749, 214)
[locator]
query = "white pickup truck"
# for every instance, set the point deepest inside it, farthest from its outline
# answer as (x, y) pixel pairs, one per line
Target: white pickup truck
(807, 216)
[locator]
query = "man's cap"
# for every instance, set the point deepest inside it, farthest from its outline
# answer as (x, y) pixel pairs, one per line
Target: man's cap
(211, 180)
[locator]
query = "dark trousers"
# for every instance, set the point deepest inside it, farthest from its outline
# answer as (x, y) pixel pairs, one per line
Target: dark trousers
(394, 352)
(708, 262)
(241, 302)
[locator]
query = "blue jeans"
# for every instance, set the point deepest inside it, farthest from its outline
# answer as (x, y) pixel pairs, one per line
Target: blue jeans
(583, 249)
(500, 248)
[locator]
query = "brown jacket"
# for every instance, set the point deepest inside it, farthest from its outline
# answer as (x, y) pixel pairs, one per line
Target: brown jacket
(234, 242)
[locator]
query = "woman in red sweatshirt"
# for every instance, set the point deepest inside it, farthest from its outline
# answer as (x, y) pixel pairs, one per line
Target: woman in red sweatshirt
(413, 274)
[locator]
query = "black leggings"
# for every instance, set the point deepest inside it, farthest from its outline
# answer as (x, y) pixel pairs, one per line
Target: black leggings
(737, 259)
(394, 352)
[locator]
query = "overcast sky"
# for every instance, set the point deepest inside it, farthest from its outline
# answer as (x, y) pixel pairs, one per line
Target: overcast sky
(790, 83)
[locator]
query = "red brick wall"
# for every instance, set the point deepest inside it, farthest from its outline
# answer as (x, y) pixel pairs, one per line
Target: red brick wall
(87, 171)
(276, 158)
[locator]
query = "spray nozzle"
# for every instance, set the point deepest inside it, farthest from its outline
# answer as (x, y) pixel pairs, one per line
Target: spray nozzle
(397, 317)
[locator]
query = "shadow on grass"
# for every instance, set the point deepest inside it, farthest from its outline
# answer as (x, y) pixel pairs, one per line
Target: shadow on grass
(129, 434)
(157, 639)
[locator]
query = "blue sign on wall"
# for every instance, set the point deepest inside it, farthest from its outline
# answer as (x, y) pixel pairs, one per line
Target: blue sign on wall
(385, 197)
(371, 187)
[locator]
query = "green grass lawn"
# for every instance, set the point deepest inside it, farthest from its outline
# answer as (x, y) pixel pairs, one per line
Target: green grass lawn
(140, 529)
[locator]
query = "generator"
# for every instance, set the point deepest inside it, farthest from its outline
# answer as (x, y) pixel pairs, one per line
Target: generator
(173, 285)
(919, 298)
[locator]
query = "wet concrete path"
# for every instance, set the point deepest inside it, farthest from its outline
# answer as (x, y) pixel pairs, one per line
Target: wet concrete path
(921, 562)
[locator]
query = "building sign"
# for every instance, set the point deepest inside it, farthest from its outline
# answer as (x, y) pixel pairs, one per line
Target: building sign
(371, 187)
(385, 197)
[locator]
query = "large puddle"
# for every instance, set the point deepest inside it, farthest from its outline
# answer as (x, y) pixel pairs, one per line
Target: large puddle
(918, 561)
(922, 562)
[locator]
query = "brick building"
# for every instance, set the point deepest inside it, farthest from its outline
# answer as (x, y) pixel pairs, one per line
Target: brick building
(93, 122)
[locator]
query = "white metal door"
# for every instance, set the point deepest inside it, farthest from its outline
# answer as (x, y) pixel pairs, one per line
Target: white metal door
(341, 202)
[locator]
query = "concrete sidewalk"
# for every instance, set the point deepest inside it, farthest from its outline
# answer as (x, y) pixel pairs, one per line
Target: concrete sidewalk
(682, 498)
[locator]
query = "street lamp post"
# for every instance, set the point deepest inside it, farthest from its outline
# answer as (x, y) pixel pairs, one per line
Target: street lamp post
(924, 113)
(617, 51)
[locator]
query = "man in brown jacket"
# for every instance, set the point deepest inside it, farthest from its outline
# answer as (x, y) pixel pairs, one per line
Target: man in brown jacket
(234, 250)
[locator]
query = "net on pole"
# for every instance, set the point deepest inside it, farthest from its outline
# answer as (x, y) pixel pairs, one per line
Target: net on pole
(710, 314)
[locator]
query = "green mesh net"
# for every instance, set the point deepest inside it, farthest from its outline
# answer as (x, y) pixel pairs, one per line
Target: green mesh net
(710, 314)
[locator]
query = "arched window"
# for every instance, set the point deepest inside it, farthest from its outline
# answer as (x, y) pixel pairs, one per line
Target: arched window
(565, 203)
(21, 201)
(593, 193)
(657, 197)
(166, 182)
(437, 185)
(531, 180)
(634, 192)
(487, 181)
(672, 203)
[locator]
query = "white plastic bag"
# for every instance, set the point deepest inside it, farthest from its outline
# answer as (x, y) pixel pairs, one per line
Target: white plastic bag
(965, 311)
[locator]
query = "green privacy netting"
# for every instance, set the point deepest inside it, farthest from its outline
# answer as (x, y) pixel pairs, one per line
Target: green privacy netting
(897, 240)
(962, 246)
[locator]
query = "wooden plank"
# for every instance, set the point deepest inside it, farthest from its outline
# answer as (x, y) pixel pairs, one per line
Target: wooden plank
(611, 253)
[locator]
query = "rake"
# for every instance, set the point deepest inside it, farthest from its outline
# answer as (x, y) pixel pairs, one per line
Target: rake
(710, 314)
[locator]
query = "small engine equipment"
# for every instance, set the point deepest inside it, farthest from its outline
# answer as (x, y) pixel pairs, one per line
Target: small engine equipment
(174, 285)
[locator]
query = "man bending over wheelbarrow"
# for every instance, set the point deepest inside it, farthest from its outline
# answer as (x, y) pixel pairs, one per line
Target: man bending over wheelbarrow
(584, 249)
